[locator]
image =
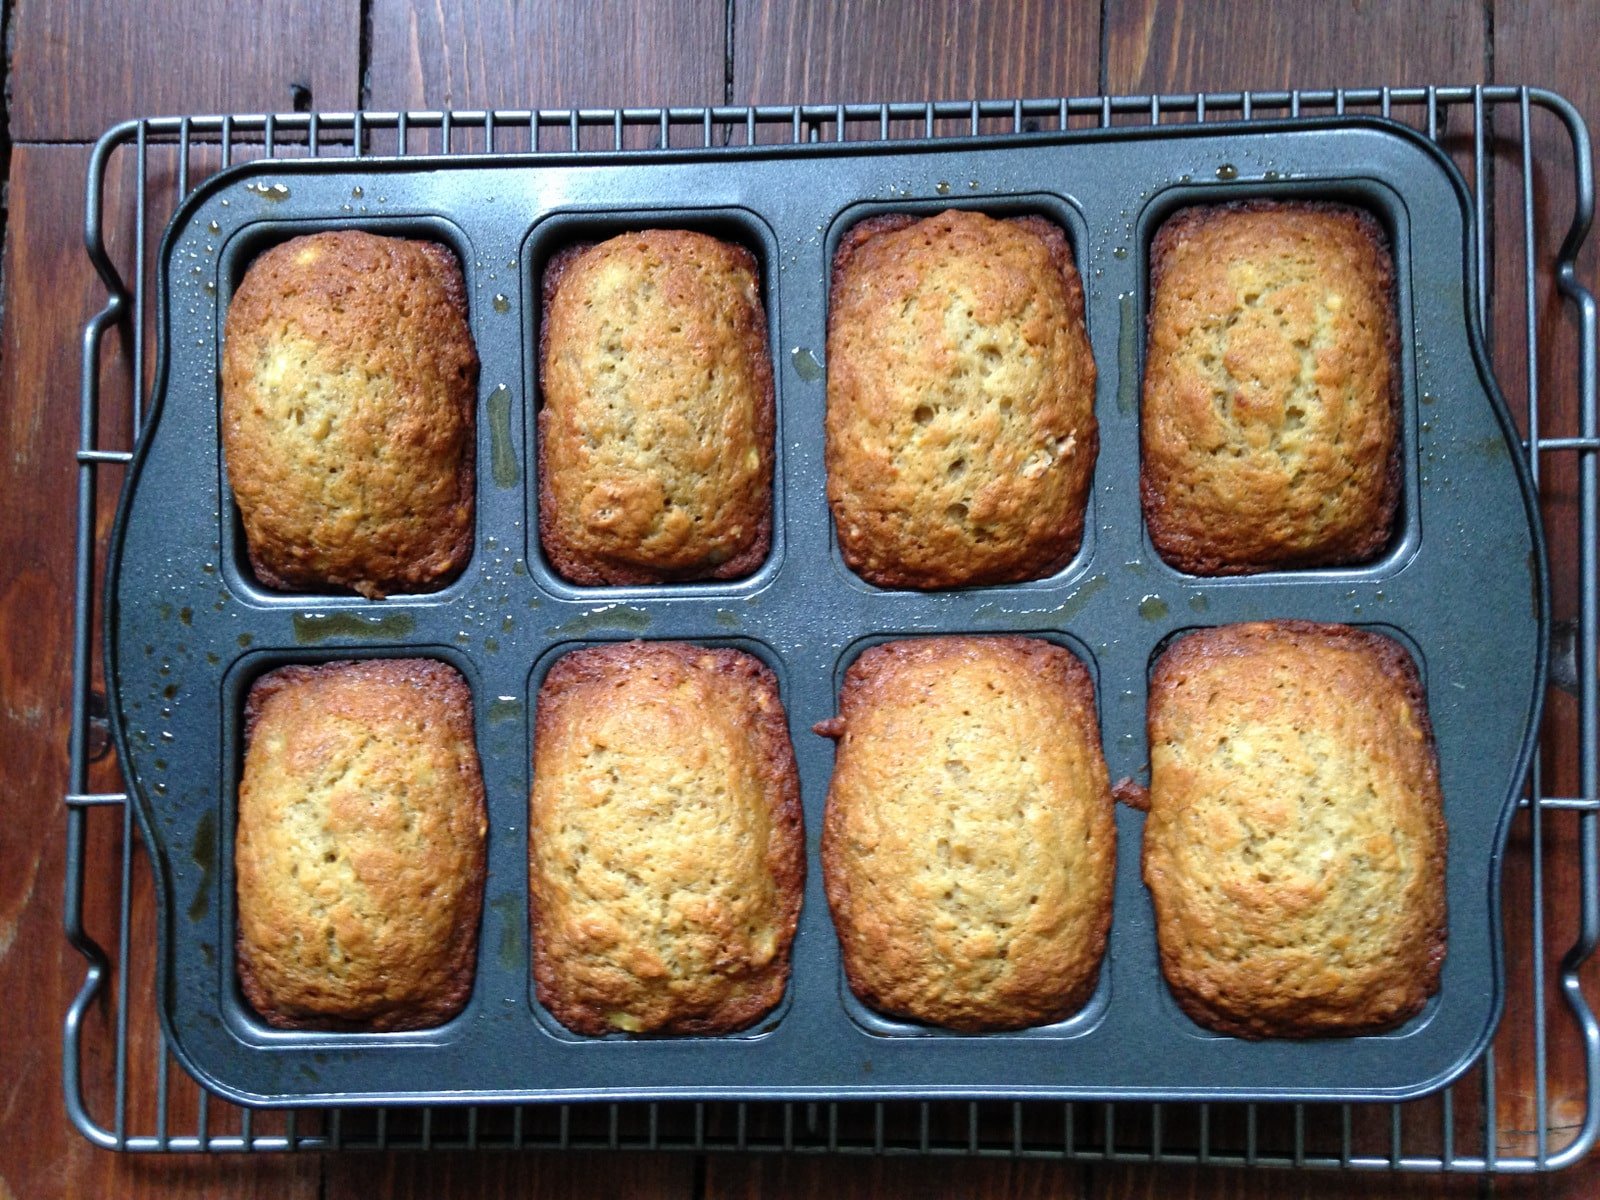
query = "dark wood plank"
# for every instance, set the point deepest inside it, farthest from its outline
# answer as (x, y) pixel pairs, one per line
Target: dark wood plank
(806, 1178)
(551, 1176)
(78, 66)
(789, 51)
(1162, 46)
(1212, 1183)
(1548, 43)
(40, 1152)
(545, 54)
(1226, 45)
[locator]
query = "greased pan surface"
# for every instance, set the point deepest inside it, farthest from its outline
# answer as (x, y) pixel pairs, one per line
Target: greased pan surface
(1462, 587)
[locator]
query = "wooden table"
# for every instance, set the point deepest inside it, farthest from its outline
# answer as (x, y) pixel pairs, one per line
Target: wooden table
(76, 66)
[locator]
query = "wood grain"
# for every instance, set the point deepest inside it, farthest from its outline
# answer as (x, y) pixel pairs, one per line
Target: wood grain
(79, 66)
(1206, 1183)
(551, 1176)
(1227, 45)
(874, 1178)
(40, 1154)
(1551, 44)
(545, 54)
(1159, 45)
(790, 51)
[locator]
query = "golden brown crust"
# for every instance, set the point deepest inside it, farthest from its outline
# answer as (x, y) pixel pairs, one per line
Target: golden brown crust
(1271, 414)
(961, 434)
(656, 427)
(360, 846)
(1295, 847)
(969, 846)
(667, 850)
(349, 401)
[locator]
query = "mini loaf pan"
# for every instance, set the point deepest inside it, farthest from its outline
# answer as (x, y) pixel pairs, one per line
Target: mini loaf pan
(187, 627)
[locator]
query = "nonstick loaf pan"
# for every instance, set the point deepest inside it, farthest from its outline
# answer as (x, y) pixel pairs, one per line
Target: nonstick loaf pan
(1462, 586)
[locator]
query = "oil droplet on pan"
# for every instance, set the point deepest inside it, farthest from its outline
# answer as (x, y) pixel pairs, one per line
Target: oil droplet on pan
(1152, 608)
(1227, 171)
(502, 303)
(611, 616)
(502, 458)
(1128, 355)
(318, 627)
(805, 364)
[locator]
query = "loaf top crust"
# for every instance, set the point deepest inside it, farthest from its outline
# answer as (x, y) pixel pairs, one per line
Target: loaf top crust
(969, 845)
(349, 394)
(667, 851)
(656, 430)
(1295, 844)
(961, 435)
(360, 846)
(1270, 420)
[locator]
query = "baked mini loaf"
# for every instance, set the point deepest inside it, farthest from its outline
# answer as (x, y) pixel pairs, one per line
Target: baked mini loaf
(969, 846)
(1271, 424)
(961, 435)
(360, 846)
(1295, 844)
(349, 382)
(656, 431)
(666, 855)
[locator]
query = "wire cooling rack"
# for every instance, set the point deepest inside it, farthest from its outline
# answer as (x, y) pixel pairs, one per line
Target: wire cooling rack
(1531, 1104)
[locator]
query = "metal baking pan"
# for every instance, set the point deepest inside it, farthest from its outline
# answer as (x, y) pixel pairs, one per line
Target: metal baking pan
(1462, 585)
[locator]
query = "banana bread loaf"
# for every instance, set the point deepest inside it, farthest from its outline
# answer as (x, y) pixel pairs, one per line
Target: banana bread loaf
(961, 434)
(656, 431)
(360, 846)
(667, 856)
(1295, 845)
(349, 383)
(1270, 423)
(969, 846)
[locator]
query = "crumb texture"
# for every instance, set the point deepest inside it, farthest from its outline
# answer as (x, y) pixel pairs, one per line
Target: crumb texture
(667, 853)
(1295, 844)
(961, 435)
(969, 845)
(1270, 419)
(656, 431)
(349, 382)
(360, 846)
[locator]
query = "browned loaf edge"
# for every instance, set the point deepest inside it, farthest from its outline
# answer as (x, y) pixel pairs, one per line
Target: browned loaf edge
(1169, 543)
(866, 682)
(785, 859)
(588, 572)
(1060, 253)
(1393, 661)
(456, 697)
(448, 560)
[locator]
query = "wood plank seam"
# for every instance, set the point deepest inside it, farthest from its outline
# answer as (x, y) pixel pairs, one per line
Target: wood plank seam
(364, 57)
(5, 143)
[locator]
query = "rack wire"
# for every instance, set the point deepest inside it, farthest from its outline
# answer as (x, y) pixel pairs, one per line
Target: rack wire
(1531, 1104)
